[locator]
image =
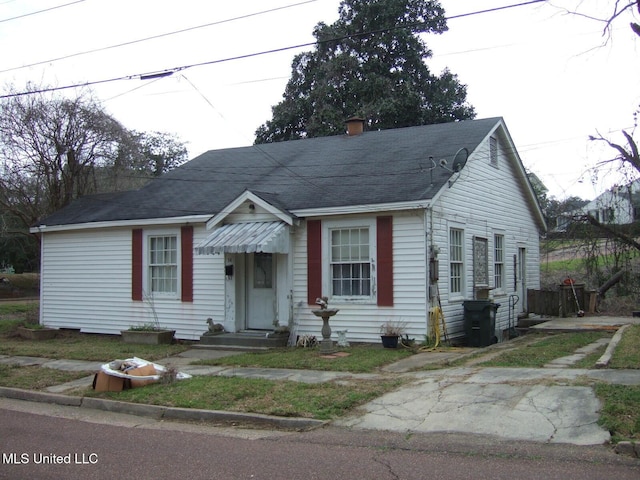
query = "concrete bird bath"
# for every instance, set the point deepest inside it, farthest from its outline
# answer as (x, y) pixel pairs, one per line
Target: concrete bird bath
(326, 346)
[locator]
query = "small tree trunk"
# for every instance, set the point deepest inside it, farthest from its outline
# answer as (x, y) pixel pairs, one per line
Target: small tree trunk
(615, 278)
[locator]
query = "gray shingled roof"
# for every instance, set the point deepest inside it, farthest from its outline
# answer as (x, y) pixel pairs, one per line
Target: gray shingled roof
(378, 167)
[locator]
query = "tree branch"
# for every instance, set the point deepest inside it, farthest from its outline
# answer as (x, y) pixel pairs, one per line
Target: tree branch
(614, 233)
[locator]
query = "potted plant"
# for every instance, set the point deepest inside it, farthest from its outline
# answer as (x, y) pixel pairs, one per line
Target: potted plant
(390, 332)
(36, 331)
(32, 329)
(148, 333)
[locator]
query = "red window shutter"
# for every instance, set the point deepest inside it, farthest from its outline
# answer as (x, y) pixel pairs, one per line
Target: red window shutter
(136, 264)
(186, 241)
(384, 238)
(314, 260)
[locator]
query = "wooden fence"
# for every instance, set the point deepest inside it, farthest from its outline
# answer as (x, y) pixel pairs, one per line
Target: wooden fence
(561, 302)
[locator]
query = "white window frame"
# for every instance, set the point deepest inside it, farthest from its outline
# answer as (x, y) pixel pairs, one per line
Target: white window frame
(146, 280)
(456, 263)
(327, 286)
(499, 266)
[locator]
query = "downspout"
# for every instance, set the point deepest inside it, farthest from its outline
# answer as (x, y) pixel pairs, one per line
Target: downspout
(428, 226)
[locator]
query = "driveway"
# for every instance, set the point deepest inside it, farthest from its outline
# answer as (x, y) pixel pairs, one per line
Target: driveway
(520, 404)
(554, 404)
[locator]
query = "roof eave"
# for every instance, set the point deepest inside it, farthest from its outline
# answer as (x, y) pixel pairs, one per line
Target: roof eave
(121, 224)
(366, 208)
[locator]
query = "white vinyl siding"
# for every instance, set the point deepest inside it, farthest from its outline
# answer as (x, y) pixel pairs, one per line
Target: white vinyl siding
(92, 293)
(484, 202)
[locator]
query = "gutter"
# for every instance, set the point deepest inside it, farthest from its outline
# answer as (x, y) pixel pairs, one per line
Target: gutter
(121, 223)
(370, 208)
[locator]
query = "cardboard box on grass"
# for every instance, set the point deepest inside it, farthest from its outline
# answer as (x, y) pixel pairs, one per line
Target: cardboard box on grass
(103, 382)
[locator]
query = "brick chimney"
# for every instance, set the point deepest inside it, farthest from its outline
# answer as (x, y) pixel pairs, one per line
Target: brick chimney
(355, 126)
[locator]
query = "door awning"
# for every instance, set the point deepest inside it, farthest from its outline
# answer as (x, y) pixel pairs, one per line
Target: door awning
(251, 237)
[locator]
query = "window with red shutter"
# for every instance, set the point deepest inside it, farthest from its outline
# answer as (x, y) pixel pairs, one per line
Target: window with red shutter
(166, 256)
(346, 274)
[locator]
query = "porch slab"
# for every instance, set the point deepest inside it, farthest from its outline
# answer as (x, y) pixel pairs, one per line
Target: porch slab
(245, 339)
(584, 324)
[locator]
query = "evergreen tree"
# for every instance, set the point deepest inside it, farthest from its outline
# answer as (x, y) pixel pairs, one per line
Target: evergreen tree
(369, 63)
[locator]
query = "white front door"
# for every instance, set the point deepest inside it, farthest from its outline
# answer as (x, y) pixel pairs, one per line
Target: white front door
(521, 272)
(261, 291)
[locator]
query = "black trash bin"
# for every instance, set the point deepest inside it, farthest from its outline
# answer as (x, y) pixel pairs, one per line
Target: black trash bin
(480, 322)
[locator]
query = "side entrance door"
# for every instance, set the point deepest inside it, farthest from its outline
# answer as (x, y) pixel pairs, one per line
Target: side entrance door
(261, 291)
(521, 272)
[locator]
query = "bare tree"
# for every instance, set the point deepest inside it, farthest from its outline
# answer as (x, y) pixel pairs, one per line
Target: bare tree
(54, 149)
(614, 244)
(50, 150)
(620, 8)
(626, 154)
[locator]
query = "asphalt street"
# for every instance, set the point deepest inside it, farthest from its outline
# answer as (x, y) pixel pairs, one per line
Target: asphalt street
(44, 441)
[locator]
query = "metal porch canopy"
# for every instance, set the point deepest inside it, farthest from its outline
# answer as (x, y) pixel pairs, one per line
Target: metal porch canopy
(250, 237)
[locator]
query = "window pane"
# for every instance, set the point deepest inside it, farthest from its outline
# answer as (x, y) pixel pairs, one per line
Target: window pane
(456, 255)
(498, 266)
(263, 270)
(163, 264)
(350, 263)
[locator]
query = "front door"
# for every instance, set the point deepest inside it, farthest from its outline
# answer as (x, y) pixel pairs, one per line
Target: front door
(261, 291)
(521, 279)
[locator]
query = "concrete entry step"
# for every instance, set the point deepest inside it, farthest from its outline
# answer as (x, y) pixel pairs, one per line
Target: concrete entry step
(248, 339)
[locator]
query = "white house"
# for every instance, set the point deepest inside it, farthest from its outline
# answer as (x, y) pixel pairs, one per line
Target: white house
(387, 224)
(620, 205)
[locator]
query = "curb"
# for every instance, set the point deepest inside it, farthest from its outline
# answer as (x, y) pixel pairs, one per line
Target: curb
(158, 412)
(604, 360)
(629, 449)
(43, 397)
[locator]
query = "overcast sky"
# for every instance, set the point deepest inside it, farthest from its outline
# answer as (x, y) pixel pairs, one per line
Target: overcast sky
(549, 74)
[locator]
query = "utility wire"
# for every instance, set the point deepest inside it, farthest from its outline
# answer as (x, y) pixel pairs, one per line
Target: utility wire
(40, 11)
(495, 9)
(154, 37)
(170, 71)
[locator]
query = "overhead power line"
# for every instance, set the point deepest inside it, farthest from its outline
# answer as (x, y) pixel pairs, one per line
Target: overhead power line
(40, 11)
(170, 71)
(154, 37)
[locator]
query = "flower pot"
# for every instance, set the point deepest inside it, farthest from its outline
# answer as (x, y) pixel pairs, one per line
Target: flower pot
(37, 333)
(148, 337)
(389, 341)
